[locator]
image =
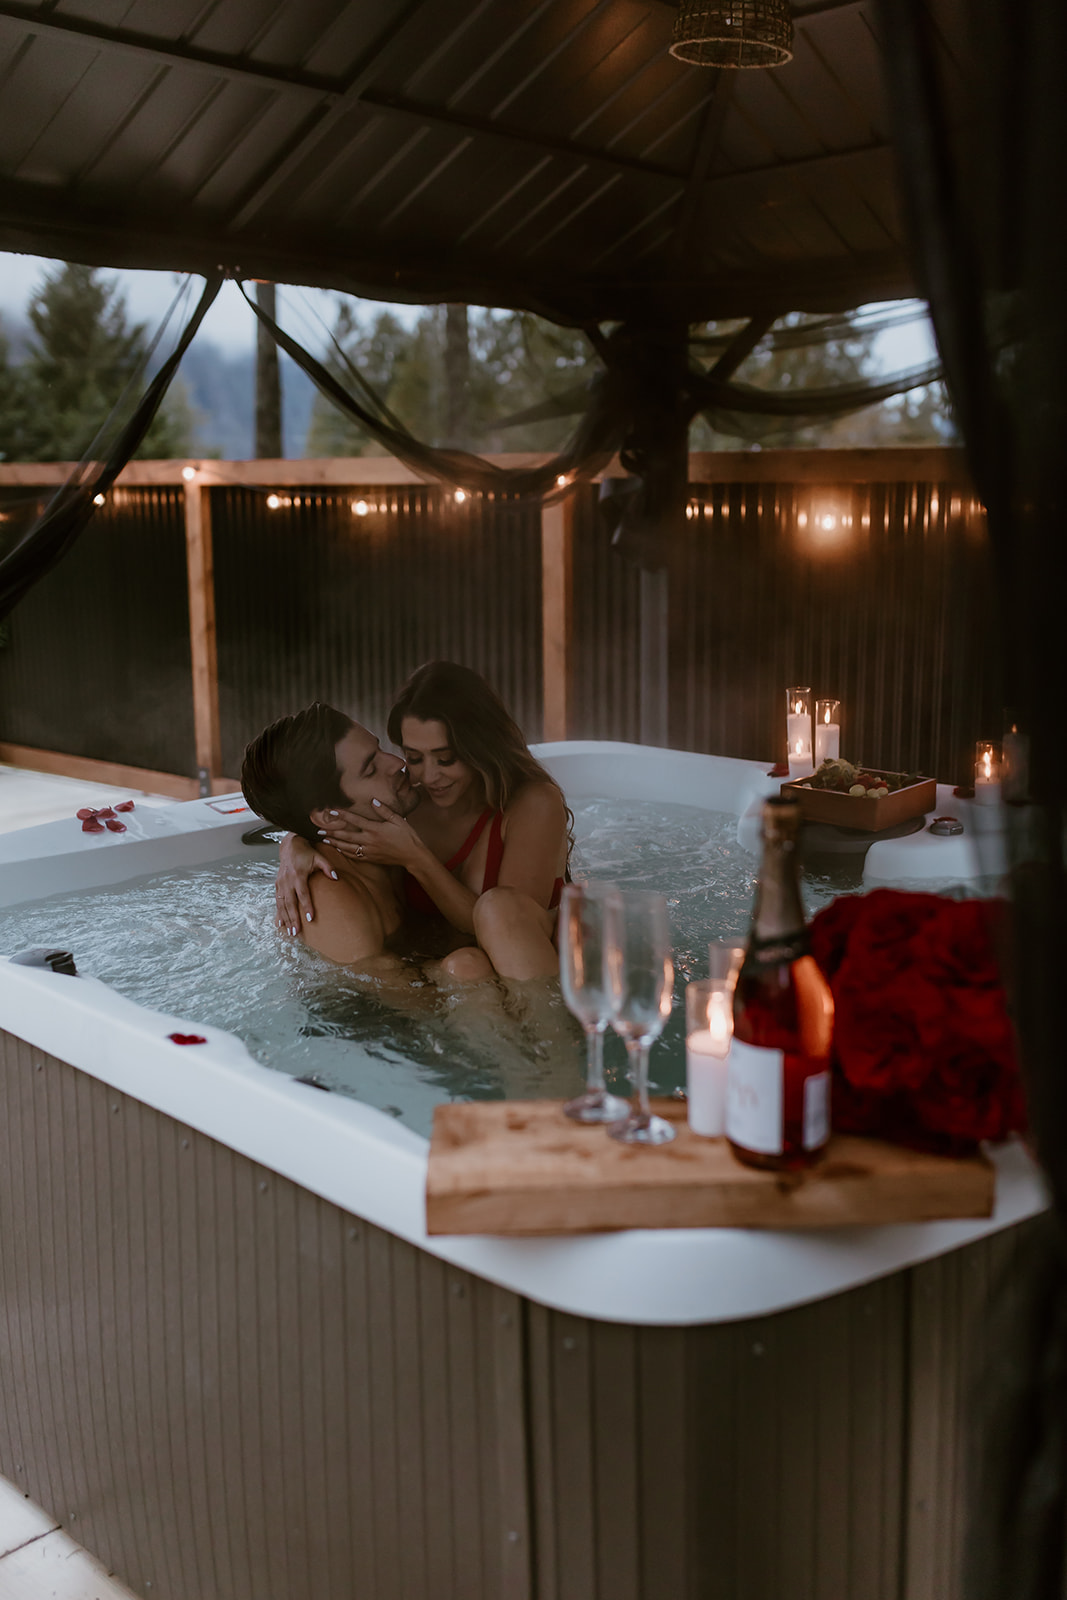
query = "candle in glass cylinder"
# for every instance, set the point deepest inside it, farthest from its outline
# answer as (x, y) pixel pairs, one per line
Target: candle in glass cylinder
(798, 731)
(827, 731)
(709, 1029)
(986, 773)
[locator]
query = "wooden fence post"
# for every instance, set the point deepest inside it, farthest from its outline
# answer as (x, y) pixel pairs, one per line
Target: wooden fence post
(557, 615)
(201, 577)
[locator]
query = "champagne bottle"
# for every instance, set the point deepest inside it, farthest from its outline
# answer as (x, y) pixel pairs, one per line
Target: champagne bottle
(778, 1079)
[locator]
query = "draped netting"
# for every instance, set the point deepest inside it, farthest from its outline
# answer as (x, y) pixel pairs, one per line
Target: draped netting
(609, 403)
(37, 540)
(982, 147)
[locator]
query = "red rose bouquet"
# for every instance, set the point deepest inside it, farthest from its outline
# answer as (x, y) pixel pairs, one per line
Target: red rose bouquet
(924, 1051)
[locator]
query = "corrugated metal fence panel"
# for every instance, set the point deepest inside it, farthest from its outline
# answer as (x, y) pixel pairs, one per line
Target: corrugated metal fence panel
(890, 609)
(229, 1389)
(878, 595)
(607, 623)
(98, 659)
(316, 603)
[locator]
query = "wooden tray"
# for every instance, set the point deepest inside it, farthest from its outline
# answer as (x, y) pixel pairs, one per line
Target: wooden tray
(522, 1167)
(859, 811)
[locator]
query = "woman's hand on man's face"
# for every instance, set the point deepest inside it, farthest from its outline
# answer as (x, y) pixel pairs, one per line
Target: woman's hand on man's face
(387, 840)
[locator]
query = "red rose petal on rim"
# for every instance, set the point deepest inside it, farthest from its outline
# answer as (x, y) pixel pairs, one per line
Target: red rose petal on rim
(90, 825)
(114, 825)
(124, 805)
(186, 1038)
(84, 814)
(105, 812)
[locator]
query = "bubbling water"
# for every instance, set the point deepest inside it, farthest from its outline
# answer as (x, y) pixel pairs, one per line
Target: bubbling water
(201, 945)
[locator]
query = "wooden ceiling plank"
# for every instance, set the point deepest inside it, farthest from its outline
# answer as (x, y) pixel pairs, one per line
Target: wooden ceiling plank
(280, 170)
(60, 25)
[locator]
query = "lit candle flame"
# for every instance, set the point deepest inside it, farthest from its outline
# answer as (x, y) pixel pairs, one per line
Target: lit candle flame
(720, 1019)
(800, 707)
(987, 766)
(826, 715)
(800, 747)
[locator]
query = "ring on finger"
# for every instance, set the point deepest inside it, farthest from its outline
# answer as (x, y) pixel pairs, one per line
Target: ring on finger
(359, 852)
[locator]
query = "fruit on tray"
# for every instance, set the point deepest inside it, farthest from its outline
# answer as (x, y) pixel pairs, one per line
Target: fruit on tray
(841, 777)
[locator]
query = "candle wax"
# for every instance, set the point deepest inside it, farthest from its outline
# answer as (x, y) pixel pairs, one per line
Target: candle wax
(827, 742)
(706, 1059)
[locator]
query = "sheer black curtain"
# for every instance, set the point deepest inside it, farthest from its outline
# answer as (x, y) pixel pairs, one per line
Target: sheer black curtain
(982, 154)
(35, 549)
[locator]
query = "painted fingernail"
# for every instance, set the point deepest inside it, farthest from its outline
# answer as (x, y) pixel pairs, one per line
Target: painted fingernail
(294, 932)
(333, 875)
(335, 813)
(376, 803)
(308, 915)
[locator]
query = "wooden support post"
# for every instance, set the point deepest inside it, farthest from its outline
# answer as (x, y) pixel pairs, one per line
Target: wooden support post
(557, 613)
(201, 577)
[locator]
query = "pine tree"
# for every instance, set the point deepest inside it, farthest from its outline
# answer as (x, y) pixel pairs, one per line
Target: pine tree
(83, 358)
(516, 361)
(11, 407)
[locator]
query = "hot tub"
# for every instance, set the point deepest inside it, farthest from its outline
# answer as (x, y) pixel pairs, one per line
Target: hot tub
(235, 1364)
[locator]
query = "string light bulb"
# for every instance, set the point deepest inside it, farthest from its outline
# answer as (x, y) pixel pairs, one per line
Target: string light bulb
(459, 496)
(360, 507)
(188, 473)
(99, 499)
(273, 502)
(562, 481)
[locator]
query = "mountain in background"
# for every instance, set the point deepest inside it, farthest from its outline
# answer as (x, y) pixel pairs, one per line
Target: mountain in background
(220, 388)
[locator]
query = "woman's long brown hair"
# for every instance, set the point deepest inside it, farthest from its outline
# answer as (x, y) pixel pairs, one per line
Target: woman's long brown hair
(481, 730)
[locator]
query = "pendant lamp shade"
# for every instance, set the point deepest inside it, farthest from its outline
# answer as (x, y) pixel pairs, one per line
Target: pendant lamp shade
(733, 33)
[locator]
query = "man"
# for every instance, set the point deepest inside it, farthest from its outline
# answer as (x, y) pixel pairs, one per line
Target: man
(295, 774)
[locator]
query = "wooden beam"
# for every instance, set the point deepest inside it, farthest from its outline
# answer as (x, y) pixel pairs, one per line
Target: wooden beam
(557, 615)
(892, 464)
(201, 578)
(61, 765)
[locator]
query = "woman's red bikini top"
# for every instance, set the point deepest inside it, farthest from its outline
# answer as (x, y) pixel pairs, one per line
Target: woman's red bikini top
(419, 900)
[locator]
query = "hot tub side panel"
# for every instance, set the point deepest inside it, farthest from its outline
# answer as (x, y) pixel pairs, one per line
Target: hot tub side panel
(230, 1389)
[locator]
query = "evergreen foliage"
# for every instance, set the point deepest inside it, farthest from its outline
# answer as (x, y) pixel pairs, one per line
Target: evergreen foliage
(82, 355)
(516, 360)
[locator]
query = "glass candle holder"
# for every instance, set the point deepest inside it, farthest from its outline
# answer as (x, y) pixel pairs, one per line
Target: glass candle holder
(798, 731)
(1015, 759)
(827, 731)
(709, 1028)
(986, 773)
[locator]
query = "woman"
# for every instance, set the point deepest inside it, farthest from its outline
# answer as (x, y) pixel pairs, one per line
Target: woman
(485, 852)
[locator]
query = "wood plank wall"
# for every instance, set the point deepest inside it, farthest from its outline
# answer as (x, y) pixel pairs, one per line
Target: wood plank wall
(229, 1389)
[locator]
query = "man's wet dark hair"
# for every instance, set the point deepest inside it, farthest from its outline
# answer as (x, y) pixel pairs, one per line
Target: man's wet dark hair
(291, 769)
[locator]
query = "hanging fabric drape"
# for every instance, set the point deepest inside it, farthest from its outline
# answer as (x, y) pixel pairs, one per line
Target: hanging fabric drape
(37, 549)
(983, 185)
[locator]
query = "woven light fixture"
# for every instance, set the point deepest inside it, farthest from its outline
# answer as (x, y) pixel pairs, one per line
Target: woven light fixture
(733, 33)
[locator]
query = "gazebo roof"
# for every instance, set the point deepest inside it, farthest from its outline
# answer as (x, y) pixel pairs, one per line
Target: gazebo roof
(545, 154)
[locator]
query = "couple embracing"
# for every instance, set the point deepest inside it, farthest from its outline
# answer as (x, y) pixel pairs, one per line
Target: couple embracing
(454, 851)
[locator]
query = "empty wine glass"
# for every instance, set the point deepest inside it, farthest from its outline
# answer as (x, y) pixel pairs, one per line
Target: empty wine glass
(642, 990)
(588, 923)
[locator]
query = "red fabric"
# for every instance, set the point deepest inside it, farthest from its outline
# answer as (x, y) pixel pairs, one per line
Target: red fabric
(416, 895)
(419, 900)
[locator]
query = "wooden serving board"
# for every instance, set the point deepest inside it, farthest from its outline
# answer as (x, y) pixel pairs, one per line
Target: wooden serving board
(522, 1167)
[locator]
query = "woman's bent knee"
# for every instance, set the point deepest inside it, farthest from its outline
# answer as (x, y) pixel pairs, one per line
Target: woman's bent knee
(468, 965)
(501, 909)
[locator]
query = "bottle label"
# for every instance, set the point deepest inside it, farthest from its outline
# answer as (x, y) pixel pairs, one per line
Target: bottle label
(754, 1083)
(779, 952)
(816, 1110)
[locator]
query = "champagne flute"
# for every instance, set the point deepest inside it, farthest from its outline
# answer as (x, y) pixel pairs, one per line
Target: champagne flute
(588, 917)
(643, 990)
